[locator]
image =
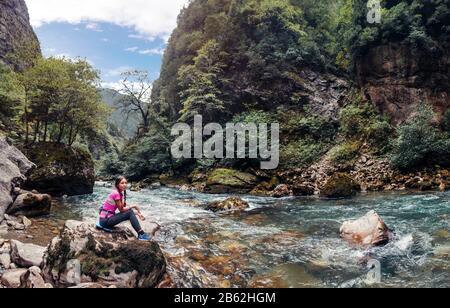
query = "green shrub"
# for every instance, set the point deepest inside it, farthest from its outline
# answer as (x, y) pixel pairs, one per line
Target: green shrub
(345, 152)
(363, 122)
(316, 127)
(301, 153)
(379, 134)
(420, 143)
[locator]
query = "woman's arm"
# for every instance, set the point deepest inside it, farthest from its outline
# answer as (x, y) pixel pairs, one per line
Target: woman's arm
(123, 208)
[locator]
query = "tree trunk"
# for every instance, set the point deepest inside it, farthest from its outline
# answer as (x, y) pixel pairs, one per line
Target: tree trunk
(61, 132)
(27, 128)
(36, 131)
(70, 134)
(45, 131)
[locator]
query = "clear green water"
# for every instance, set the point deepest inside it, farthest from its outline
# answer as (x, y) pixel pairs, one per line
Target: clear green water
(291, 242)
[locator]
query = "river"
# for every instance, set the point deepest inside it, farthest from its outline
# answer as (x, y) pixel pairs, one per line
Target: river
(291, 242)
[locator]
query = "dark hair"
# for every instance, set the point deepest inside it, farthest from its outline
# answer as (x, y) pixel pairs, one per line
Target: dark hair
(116, 185)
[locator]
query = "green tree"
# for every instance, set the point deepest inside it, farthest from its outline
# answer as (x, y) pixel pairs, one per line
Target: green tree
(201, 84)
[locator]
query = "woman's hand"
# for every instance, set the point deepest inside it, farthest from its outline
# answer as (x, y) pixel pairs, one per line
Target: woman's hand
(141, 216)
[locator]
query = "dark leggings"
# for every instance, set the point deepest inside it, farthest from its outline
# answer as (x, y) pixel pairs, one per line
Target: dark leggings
(121, 217)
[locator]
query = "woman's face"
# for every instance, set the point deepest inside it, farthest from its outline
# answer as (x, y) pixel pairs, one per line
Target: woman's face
(123, 185)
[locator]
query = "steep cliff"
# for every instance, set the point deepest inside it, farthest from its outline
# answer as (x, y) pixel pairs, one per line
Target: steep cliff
(18, 42)
(396, 79)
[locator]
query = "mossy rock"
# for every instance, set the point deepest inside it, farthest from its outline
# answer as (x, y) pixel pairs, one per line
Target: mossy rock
(61, 170)
(229, 180)
(107, 258)
(340, 185)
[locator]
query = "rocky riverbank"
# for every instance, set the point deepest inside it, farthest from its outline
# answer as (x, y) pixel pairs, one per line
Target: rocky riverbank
(83, 257)
(367, 173)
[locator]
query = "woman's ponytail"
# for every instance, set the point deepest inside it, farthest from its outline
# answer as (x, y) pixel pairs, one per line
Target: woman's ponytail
(118, 180)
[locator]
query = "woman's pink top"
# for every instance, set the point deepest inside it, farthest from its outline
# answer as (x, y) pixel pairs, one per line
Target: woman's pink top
(110, 207)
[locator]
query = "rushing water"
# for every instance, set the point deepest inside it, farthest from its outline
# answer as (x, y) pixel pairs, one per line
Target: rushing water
(292, 242)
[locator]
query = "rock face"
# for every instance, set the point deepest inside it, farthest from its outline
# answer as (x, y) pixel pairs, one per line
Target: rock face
(13, 168)
(340, 185)
(82, 254)
(369, 230)
(16, 33)
(397, 81)
(230, 181)
(61, 170)
(31, 205)
(323, 92)
(233, 203)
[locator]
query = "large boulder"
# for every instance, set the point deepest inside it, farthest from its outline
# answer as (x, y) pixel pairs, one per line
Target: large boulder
(31, 205)
(14, 167)
(340, 185)
(232, 203)
(230, 181)
(27, 255)
(82, 254)
(369, 230)
(61, 170)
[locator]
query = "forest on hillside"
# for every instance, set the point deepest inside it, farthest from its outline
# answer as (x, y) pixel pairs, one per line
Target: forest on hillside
(251, 61)
(296, 62)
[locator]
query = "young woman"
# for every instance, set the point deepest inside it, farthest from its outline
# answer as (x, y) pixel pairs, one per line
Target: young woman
(117, 200)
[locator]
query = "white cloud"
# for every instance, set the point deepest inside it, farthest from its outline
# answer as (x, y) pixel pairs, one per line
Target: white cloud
(106, 40)
(142, 37)
(149, 18)
(134, 86)
(94, 27)
(115, 72)
(112, 85)
(152, 52)
(132, 49)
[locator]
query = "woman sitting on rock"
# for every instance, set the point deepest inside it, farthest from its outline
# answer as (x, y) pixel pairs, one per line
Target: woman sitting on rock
(117, 200)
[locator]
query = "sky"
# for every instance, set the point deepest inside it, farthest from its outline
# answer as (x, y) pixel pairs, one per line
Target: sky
(113, 35)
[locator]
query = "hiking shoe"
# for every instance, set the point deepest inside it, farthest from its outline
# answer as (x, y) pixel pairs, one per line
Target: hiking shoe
(144, 237)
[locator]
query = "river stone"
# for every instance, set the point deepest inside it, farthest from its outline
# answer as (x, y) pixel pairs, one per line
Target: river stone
(106, 258)
(369, 230)
(5, 260)
(281, 191)
(11, 278)
(26, 222)
(88, 285)
(26, 255)
(232, 203)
